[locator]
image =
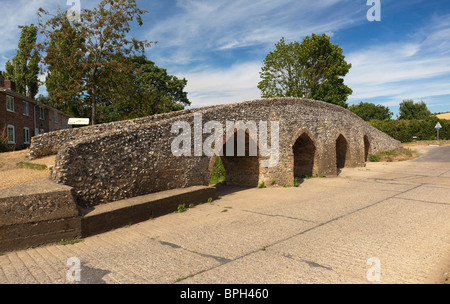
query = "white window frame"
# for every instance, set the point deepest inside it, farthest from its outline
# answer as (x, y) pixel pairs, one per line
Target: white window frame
(9, 103)
(26, 135)
(13, 134)
(41, 113)
(26, 108)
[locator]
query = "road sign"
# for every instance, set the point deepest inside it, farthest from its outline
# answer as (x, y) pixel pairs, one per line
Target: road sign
(78, 121)
(438, 126)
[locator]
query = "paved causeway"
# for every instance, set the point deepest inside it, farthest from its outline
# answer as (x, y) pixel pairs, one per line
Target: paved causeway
(391, 217)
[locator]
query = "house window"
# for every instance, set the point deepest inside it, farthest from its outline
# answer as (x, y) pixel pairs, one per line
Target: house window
(26, 135)
(56, 117)
(11, 132)
(26, 108)
(41, 113)
(9, 103)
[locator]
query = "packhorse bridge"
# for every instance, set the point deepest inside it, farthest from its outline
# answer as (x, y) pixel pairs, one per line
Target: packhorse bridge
(112, 162)
(109, 162)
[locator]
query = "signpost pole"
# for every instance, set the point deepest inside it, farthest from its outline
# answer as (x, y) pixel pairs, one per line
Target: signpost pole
(438, 126)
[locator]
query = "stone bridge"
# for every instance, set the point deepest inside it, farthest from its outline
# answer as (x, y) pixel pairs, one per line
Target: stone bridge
(110, 162)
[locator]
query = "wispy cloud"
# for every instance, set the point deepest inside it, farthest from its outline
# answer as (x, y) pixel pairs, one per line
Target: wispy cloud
(14, 14)
(219, 45)
(417, 67)
(201, 26)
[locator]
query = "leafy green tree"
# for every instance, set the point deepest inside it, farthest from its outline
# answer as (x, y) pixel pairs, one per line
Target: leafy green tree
(312, 69)
(24, 67)
(369, 111)
(64, 80)
(143, 89)
(410, 110)
(90, 50)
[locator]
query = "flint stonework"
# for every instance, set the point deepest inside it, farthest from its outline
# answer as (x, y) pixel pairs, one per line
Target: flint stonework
(115, 161)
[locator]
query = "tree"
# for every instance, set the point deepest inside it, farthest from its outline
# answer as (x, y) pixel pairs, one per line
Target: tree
(144, 89)
(369, 111)
(64, 81)
(409, 110)
(312, 69)
(24, 67)
(97, 38)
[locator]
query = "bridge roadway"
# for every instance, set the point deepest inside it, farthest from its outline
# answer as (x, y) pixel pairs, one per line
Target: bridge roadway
(391, 217)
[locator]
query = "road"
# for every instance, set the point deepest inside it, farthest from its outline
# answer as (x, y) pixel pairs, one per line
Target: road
(385, 223)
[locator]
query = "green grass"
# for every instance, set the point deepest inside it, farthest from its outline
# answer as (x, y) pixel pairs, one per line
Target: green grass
(181, 208)
(374, 157)
(393, 155)
(218, 175)
(32, 166)
(69, 242)
(262, 185)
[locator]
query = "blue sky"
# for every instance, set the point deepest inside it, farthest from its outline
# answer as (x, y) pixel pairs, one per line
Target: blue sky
(219, 46)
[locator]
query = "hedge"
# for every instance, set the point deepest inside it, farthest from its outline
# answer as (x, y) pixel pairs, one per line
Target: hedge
(405, 130)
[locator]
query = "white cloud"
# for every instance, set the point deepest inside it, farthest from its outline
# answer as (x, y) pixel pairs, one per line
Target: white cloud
(200, 32)
(213, 86)
(14, 14)
(216, 25)
(416, 68)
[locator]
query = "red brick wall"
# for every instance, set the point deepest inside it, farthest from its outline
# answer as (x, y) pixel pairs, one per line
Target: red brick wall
(17, 119)
(21, 121)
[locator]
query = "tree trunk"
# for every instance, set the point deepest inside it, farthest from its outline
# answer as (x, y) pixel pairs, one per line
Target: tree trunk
(93, 107)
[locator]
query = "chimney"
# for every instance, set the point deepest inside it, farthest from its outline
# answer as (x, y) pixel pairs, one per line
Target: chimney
(10, 84)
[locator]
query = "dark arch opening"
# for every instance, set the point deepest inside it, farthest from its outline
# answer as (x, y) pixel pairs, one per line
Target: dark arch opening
(304, 152)
(241, 170)
(366, 148)
(341, 152)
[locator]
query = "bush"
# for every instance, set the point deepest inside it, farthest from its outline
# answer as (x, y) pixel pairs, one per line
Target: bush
(374, 157)
(405, 130)
(218, 175)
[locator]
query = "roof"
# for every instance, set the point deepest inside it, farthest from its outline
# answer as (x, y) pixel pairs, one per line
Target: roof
(35, 102)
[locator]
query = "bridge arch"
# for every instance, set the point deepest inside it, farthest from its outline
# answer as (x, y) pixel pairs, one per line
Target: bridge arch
(342, 151)
(367, 148)
(241, 170)
(304, 154)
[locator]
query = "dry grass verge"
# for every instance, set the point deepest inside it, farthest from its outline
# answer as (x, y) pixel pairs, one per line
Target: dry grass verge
(16, 168)
(394, 155)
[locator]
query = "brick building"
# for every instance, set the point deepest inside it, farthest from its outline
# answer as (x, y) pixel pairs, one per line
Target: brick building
(22, 117)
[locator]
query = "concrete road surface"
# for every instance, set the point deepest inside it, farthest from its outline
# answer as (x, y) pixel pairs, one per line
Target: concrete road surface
(385, 223)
